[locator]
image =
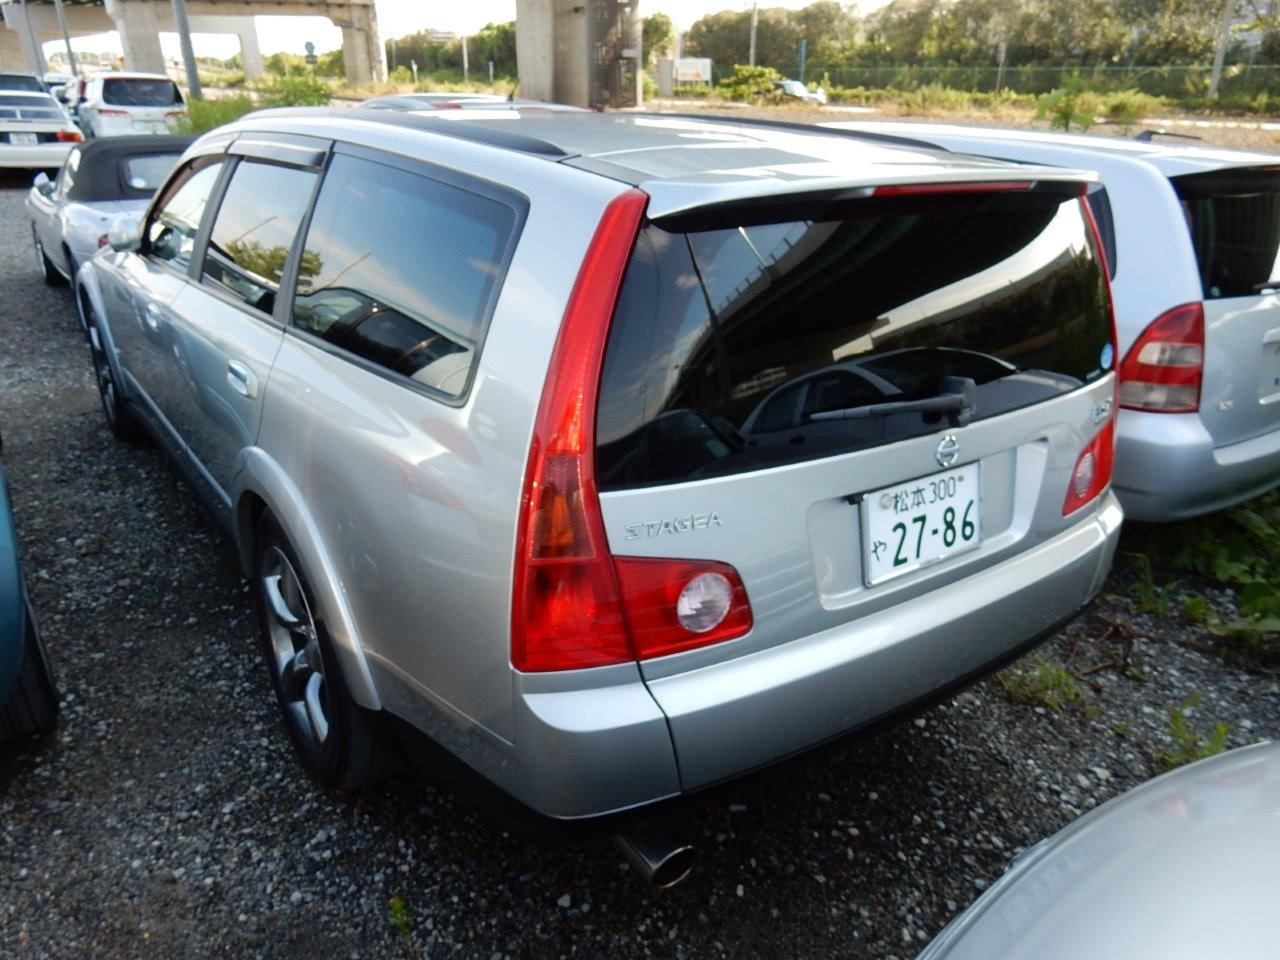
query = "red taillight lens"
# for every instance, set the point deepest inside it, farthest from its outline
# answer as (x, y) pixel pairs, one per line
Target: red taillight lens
(566, 610)
(925, 189)
(69, 136)
(674, 605)
(105, 112)
(1163, 370)
(1092, 471)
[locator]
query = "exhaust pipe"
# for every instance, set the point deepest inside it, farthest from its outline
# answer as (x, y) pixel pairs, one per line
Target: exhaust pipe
(662, 860)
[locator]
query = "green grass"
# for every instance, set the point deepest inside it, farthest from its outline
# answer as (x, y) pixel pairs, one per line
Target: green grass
(1041, 682)
(1189, 743)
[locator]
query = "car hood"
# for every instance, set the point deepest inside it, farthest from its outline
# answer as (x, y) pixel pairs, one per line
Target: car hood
(1181, 867)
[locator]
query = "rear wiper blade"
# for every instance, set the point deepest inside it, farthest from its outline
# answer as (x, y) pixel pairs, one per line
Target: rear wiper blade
(1266, 285)
(957, 401)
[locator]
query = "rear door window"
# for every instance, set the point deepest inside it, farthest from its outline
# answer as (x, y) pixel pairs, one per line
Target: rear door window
(402, 270)
(1234, 219)
(140, 92)
(758, 344)
(254, 231)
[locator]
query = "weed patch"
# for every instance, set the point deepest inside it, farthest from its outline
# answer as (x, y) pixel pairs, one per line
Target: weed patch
(1189, 743)
(1041, 682)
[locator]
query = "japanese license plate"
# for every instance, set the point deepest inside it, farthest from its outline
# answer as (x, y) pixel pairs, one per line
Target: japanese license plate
(23, 139)
(913, 524)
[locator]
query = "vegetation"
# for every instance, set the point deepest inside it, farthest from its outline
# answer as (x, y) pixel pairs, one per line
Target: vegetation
(1041, 682)
(204, 115)
(434, 54)
(749, 83)
(1190, 744)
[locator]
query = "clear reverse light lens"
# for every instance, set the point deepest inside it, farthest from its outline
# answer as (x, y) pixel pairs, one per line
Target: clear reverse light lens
(1083, 478)
(704, 602)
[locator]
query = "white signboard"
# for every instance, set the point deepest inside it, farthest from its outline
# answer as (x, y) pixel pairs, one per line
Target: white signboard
(693, 70)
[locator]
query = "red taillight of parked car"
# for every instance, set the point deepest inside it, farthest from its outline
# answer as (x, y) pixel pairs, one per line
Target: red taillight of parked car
(107, 112)
(69, 136)
(573, 604)
(1163, 370)
(1092, 472)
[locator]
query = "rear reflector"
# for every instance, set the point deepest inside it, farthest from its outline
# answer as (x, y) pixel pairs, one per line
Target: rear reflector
(674, 605)
(1162, 371)
(566, 609)
(1092, 471)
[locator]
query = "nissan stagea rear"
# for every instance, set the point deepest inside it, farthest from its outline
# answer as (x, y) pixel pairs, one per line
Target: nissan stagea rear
(799, 466)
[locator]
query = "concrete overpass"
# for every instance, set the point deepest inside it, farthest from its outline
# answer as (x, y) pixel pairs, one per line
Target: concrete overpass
(583, 52)
(140, 23)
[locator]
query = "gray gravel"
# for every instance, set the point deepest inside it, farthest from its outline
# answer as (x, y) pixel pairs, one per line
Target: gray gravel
(167, 818)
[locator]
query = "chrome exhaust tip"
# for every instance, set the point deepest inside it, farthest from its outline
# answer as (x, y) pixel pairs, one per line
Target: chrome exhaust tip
(661, 860)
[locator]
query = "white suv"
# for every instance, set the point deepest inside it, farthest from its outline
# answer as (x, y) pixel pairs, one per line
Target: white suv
(121, 104)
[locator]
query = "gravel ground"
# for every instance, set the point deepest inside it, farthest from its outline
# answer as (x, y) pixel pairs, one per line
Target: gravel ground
(166, 817)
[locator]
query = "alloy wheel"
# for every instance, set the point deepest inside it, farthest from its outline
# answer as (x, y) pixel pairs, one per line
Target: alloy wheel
(295, 648)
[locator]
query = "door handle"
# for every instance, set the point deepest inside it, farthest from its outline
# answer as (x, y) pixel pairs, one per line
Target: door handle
(241, 379)
(152, 316)
(1272, 335)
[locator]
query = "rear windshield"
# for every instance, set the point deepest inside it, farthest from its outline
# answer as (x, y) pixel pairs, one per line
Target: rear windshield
(145, 172)
(29, 108)
(20, 81)
(728, 345)
(1234, 218)
(134, 92)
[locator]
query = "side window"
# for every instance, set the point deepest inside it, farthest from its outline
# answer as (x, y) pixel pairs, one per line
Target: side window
(1100, 205)
(67, 178)
(402, 270)
(254, 231)
(171, 231)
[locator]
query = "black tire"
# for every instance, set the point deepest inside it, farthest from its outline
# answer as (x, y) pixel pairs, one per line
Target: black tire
(48, 272)
(116, 411)
(355, 752)
(33, 706)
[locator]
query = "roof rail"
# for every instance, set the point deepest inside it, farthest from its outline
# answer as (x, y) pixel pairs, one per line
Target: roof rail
(889, 138)
(458, 129)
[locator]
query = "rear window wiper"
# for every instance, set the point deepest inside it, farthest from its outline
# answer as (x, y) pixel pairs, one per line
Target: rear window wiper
(957, 401)
(1266, 285)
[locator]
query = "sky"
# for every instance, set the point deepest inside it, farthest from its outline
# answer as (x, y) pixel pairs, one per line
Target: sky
(399, 17)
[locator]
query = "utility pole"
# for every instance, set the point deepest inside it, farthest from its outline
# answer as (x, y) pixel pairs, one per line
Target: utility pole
(1220, 49)
(188, 54)
(751, 55)
(66, 37)
(466, 72)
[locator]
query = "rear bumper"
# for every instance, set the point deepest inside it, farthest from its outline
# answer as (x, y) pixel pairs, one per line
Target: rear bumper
(583, 753)
(1167, 467)
(42, 156)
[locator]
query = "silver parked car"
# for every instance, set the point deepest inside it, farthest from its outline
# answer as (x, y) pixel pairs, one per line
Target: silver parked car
(100, 181)
(1193, 238)
(1182, 866)
(469, 396)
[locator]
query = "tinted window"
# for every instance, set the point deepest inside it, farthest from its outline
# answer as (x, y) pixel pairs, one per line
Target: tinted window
(20, 81)
(1100, 205)
(146, 173)
(402, 270)
(731, 348)
(137, 92)
(1234, 218)
(171, 232)
(255, 229)
(30, 108)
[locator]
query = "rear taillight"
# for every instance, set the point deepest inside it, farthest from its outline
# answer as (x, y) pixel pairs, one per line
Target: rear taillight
(1092, 471)
(1163, 370)
(573, 604)
(674, 605)
(69, 136)
(107, 112)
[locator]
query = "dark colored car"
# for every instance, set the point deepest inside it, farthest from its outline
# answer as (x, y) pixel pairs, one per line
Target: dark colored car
(28, 698)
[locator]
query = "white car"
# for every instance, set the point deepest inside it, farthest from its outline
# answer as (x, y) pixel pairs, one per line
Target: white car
(112, 104)
(36, 133)
(24, 82)
(795, 90)
(1192, 236)
(101, 181)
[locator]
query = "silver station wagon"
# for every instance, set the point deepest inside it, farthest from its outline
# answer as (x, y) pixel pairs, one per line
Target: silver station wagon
(619, 455)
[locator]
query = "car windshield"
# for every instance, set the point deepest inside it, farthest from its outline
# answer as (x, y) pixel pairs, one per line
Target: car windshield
(20, 81)
(752, 345)
(1234, 219)
(29, 108)
(147, 171)
(140, 92)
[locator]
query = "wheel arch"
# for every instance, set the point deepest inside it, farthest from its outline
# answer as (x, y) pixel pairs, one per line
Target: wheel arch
(263, 485)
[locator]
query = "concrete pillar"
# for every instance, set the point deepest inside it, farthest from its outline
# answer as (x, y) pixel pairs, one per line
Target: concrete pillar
(535, 49)
(11, 55)
(250, 54)
(362, 55)
(139, 34)
(26, 38)
(245, 30)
